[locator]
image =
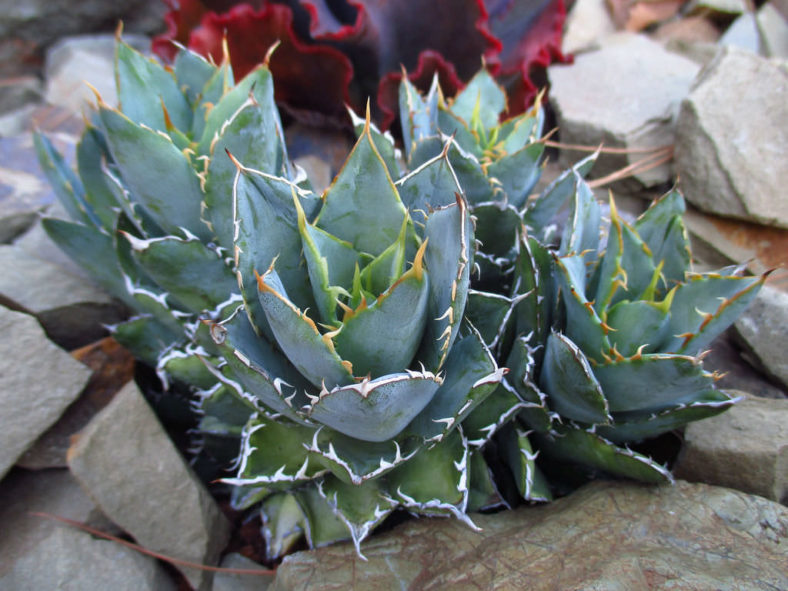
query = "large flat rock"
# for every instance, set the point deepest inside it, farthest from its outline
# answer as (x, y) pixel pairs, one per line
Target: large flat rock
(607, 535)
(38, 381)
(731, 138)
(137, 478)
(763, 327)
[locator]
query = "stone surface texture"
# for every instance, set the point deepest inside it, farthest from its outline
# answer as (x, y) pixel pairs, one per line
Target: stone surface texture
(587, 22)
(625, 95)
(38, 381)
(155, 496)
(731, 138)
(72, 560)
(606, 536)
(48, 491)
(745, 448)
(763, 327)
(238, 582)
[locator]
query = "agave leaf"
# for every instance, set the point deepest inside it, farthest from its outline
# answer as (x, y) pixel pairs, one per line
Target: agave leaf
(451, 125)
(322, 525)
(193, 73)
(419, 116)
(497, 225)
(517, 132)
(136, 75)
(91, 249)
(490, 313)
(384, 336)
(362, 205)
(354, 461)
(541, 211)
(157, 173)
(522, 363)
(709, 404)
(186, 268)
(533, 273)
(223, 413)
(704, 307)
(145, 337)
(384, 142)
(251, 137)
(449, 234)
(383, 271)
(283, 523)
(653, 226)
(582, 230)
(435, 481)
(637, 326)
(583, 447)
(584, 326)
(259, 84)
(471, 376)
(188, 367)
(92, 155)
(274, 455)
(212, 91)
(361, 507)
(521, 459)
(492, 414)
(375, 410)
(157, 304)
(261, 201)
(674, 252)
(66, 184)
(483, 494)
(652, 382)
(243, 497)
(431, 185)
(518, 172)
(570, 384)
(481, 100)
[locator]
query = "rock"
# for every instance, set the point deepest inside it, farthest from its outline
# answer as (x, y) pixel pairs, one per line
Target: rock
(773, 25)
(587, 22)
(72, 310)
(18, 91)
(234, 582)
(625, 95)
(745, 448)
(763, 327)
(720, 7)
(74, 61)
(730, 157)
(607, 535)
(744, 34)
(155, 497)
(38, 381)
(28, 28)
(48, 491)
(70, 559)
(112, 366)
(691, 29)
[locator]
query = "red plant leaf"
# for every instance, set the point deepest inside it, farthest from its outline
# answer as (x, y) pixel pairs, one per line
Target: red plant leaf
(183, 17)
(309, 78)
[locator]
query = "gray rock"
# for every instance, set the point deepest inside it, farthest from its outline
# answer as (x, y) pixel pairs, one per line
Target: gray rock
(773, 25)
(607, 535)
(588, 21)
(134, 473)
(625, 95)
(72, 560)
(731, 138)
(236, 582)
(74, 61)
(38, 381)
(744, 34)
(18, 92)
(72, 310)
(763, 328)
(48, 491)
(745, 448)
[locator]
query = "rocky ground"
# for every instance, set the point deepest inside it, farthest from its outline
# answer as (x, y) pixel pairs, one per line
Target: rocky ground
(694, 91)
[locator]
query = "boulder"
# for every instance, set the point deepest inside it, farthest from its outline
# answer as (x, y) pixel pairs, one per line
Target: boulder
(241, 582)
(71, 559)
(138, 479)
(38, 381)
(763, 328)
(745, 448)
(731, 138)
(625, 95)
(607, 535)
(588, 21)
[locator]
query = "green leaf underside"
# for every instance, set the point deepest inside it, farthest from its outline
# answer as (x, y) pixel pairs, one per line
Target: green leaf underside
(578, 446)
(569, 382)
(483, 492)
(521, 459)
(283, 523)
(375, 410)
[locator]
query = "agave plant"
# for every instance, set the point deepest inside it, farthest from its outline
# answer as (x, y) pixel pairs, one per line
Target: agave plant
(352, 50)
(337, 343)
(326, 332)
